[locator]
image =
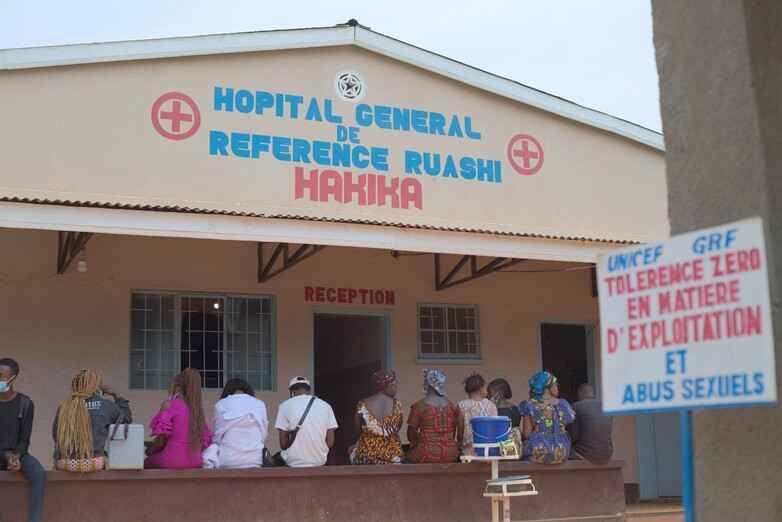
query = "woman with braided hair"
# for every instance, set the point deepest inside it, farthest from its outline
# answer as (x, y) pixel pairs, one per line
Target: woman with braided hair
(81, 424)
(180, 427)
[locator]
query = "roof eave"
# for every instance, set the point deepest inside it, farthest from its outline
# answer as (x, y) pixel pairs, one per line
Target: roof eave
(36, 57)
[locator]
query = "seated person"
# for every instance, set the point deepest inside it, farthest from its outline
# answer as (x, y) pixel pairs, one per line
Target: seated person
(16, 421)
(475, 405)
(590, 432)
(241, 427)
(304, 443)
(499, 393)
(431, 426)
(180, 428)
(378, 420)
(545, 417)
(81, 424)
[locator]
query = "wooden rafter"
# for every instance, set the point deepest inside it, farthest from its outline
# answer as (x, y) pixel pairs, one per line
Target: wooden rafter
(451, 279)
(69, 246)
(282, 253)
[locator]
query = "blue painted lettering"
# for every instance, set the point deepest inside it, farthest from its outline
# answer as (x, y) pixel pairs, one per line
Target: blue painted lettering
(451, 167)
(224, 99)
(722, 386)
(263, 101)
(671, 362)
(348, 134)
(401, 119)
(418, 121)
(240, 144)
(423, 122)
(437, 123)
(714, 241)
(644, 392)
(244, 101)
(218, 143)
(455, 128)
(329, 113)
(297, 150)
(283, 105)
(468, 129)
(642, 256)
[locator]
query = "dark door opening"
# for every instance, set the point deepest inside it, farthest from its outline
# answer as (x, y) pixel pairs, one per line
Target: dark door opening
(564, 353)
(201, 341)
(348, 349)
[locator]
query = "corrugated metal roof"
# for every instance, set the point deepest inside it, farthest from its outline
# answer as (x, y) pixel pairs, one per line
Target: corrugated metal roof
(191, 210)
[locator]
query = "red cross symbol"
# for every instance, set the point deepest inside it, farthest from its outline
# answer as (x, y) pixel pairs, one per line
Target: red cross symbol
(175, 116)
(525, 154)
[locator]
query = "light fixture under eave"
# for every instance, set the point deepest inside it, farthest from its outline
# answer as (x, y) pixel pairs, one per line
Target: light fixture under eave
(81, 266)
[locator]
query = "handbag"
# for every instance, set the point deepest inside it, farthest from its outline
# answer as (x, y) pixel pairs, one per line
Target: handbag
(268, 459)
(292, 434)
(125, 446)
(80, 465)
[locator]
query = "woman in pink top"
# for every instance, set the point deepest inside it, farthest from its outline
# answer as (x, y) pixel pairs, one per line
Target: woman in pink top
(179, 427)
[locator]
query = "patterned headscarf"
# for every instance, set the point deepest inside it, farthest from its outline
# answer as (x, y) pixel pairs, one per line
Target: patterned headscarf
(436, 379)
(382, 379)
(539, 382)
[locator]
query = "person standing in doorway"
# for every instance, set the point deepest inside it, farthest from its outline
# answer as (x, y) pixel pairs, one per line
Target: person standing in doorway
(305, 425)
(590, 433)
(16, 425)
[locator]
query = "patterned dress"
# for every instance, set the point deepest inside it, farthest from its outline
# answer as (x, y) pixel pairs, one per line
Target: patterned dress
(471, 409)
(434, 441)
(548, 443)
(379, 441)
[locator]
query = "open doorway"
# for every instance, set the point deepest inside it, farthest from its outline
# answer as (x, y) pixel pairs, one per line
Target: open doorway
(348, 349)
(567, 351)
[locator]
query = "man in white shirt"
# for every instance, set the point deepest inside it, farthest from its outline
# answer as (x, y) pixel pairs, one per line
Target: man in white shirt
(316, 434)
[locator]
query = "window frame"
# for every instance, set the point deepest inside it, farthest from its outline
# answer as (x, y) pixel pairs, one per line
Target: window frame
(177, 332)
(449, 357)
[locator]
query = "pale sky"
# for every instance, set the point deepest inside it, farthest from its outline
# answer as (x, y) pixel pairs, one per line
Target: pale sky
(597, 53)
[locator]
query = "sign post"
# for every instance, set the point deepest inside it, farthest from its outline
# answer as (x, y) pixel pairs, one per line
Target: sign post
(686, 323)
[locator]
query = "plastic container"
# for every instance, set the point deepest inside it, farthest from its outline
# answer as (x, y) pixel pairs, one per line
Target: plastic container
(126, 451)
(487, 432)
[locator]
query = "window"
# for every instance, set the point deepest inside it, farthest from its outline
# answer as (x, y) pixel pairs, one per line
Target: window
(448, 331)
(223, 336)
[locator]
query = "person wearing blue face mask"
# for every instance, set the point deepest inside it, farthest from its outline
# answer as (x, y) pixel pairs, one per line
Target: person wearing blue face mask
(16, 425)
(499, 392)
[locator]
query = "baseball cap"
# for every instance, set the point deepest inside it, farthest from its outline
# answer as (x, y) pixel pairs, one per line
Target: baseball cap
(298, 380)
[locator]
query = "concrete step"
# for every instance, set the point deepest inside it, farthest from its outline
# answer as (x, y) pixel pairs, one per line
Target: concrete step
(654, 512)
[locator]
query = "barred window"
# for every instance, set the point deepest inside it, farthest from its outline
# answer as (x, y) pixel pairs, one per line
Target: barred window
(448, 331)
(222, 336)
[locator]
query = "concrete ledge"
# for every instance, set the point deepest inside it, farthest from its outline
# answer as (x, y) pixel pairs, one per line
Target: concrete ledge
(412, 492)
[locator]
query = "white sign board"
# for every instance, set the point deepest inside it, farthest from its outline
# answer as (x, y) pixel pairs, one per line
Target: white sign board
(686, 323)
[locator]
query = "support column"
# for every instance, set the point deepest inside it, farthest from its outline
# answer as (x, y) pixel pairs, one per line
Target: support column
(720, 65)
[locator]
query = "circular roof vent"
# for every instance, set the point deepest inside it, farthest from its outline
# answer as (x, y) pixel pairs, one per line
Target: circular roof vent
(350, 85)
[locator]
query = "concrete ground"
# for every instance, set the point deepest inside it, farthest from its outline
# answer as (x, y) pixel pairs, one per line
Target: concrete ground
(672, 511)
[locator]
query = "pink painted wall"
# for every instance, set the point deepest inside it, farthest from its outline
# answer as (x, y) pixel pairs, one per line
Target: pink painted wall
(55, 324)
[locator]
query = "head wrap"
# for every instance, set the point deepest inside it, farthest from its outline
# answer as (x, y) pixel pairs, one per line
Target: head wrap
(539, 382)
(382, 379)
(436, 379)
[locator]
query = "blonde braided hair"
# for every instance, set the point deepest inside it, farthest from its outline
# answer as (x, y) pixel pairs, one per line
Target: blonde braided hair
(74, 428)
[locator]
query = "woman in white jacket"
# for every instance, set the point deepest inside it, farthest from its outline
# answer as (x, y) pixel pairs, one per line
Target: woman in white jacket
(240, 430)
